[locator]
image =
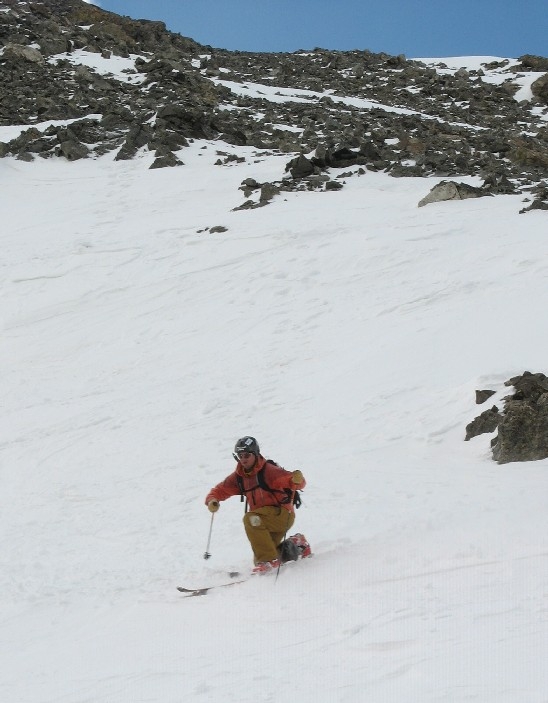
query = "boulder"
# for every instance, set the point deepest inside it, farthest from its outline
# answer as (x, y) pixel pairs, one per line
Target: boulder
(530, 62)
(539, 88)
(27, 53)
(300, 167)
(523, 432)
(450, 190)
(167, 160)
(522, 426)
(483, 395)
(136, 138)
(268, 191)
(73, 150)
(488, 421)
(189, 121)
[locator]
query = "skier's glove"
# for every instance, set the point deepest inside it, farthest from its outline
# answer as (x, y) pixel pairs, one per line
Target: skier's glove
(297, 477)
(213, 506)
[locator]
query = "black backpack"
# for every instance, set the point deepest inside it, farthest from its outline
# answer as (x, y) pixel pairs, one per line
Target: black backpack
(286, 494)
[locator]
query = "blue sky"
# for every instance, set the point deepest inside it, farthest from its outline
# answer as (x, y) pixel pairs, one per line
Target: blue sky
(420, 28)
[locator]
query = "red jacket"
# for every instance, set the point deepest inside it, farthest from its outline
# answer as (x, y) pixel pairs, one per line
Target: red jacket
(276, 478)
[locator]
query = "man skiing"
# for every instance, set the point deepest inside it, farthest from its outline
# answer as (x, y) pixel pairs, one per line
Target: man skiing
(269, 491)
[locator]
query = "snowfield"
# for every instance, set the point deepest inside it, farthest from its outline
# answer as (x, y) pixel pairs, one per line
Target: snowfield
(348, 332)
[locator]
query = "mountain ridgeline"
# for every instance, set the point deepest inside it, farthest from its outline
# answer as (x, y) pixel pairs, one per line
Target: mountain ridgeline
(376, 111)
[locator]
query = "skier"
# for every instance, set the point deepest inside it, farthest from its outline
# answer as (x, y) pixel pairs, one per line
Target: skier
(269, 491)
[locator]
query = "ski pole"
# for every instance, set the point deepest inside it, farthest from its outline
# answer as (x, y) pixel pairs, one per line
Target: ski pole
(206, 553)
(285, 537)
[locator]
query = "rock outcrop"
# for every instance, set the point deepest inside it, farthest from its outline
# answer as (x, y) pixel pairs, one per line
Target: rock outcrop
(522, 426)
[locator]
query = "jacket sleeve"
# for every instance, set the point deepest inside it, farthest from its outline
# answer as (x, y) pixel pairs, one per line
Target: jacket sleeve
(225, 489)
(279, 478)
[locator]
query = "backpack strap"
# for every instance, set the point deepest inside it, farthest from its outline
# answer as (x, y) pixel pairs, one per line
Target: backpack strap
(240, 482)
(289, 495)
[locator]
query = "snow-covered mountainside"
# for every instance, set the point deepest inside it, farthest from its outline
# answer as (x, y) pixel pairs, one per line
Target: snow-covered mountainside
(148, 321)
(126, 84)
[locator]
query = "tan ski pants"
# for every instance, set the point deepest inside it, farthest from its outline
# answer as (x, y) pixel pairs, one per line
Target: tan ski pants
(265, 529)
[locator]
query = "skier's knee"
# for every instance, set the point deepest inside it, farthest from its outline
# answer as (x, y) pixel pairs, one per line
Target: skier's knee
(252, 520)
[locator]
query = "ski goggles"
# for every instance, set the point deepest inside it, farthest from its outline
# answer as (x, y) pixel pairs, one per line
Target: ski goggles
(243, 455)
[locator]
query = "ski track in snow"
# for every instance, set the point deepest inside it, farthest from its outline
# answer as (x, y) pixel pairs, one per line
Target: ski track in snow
(348, 332)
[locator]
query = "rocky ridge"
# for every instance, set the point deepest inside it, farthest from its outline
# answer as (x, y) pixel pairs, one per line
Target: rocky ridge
(85, 82)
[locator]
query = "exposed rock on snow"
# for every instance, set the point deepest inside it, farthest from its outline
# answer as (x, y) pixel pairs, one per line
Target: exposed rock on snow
(523, 431)
(487, 422)
(522, 426)
(449, 190)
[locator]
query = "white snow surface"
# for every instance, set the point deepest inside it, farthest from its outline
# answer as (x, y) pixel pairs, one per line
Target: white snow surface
(119, 67)
(348, 332)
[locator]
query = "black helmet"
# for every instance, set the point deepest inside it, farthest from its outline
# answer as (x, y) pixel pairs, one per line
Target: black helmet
(247, 444)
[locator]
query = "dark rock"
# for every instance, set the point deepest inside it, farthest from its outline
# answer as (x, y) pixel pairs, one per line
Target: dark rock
(189, 121)
(166, 161)
(300, 167)
(488, 421)
(540, 201)
(73, 150)
(25, 156)
(248, 205)
(342, 158)
(498, 184)
(529, 386)
(482, 396)
(529, 153)
(531, 62)
(539, 88)
(268, 191)
(537, 204)
(138, 136)
(523, 427)
(523, 432)
(250, 183)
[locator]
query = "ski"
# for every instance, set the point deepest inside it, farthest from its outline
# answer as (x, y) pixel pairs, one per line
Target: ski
(190, 592)
(292, 549)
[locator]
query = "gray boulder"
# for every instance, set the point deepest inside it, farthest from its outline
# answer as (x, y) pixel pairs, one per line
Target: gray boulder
(268, 191)
(73, 150)
(450, 190)
(27, 53)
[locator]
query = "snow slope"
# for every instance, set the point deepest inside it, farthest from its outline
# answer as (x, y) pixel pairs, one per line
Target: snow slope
(347, 331)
